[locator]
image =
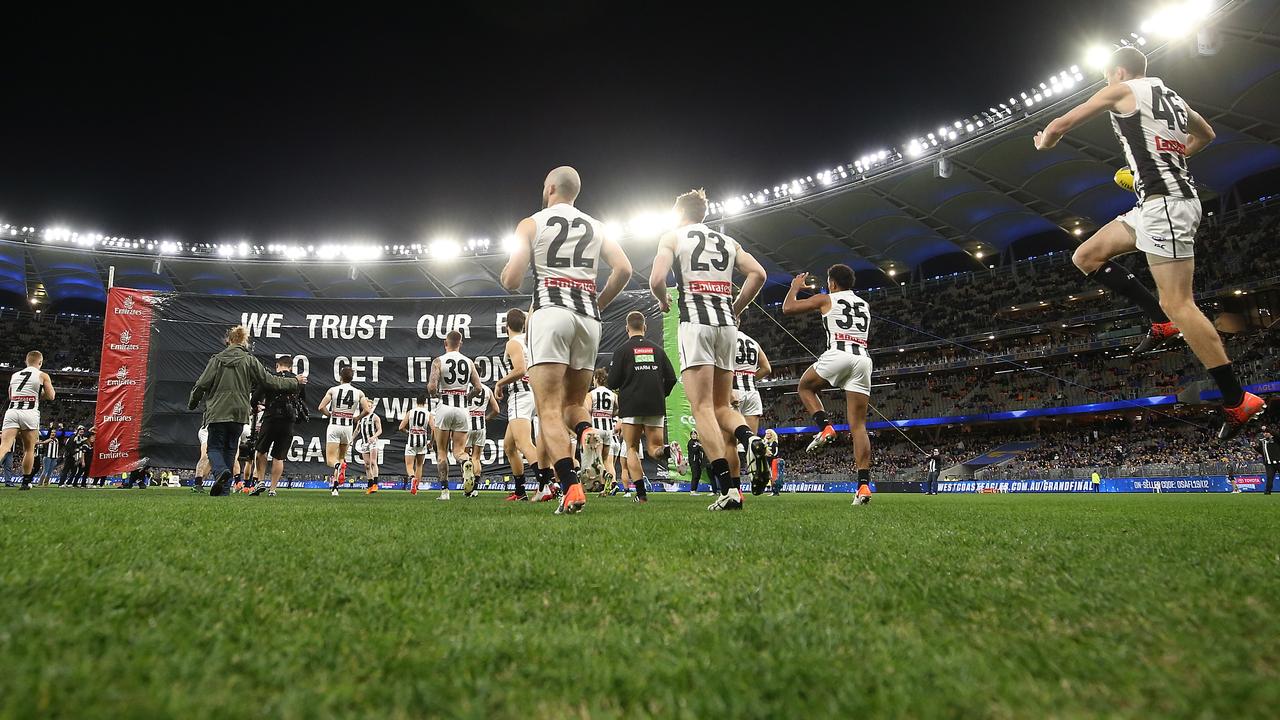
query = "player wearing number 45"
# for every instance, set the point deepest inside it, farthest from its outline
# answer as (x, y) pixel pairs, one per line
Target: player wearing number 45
(1157, 132)
(846, 365)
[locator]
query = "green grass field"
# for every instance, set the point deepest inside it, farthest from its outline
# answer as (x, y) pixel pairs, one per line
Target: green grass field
(163, 603)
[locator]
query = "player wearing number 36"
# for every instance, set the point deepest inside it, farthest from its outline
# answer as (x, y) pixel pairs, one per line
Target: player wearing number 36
(22, 418)
(1158, 133)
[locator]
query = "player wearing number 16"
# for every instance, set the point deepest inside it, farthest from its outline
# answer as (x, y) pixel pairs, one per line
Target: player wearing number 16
(22, 418)
(846, 364)
(561, 245)
(1158, 133)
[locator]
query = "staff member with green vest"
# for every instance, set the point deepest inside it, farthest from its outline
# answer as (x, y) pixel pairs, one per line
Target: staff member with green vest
(225, 386)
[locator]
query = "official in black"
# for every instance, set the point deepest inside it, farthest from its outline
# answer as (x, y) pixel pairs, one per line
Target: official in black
(697, 461)
(280, 409)
(934, 468)
(1270, 451)
(642, 376)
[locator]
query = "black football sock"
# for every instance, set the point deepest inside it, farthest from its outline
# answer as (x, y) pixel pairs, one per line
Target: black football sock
(1115, 278)
(1229, 384)
(720, 473)
(744, 435)
(864, 477)
(566, 474)
(577, 429)
(820, 418)
(545, 475)
(28, 479)
(640, 487)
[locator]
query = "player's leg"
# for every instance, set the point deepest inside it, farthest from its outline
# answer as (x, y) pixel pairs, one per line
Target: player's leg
(28, 439)
(443, 453)
(857, 403)
(458, 443)
(518, 444)
(7, 440)
(632, 437)
(811, 383)
(737, 432)
(1094, 258)
(699, 388)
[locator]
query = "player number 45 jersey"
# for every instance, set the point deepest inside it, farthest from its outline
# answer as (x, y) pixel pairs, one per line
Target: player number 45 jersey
(847, 323)
(1154, 139)
(704, 263)
(566, 245)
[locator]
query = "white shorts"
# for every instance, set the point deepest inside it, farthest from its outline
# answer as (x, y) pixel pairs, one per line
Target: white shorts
(560, 335)
(203, 435)
(22, 419)
(1165, 227)
(622, 450)
(475, 438)
(707, 345)
(410, 451)
(647, 421)
(452, 419)
(340, 434)
(845, 371)
(520, 405)
(748, 402)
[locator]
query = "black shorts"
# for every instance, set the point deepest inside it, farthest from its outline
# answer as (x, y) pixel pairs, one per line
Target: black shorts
(274, 437)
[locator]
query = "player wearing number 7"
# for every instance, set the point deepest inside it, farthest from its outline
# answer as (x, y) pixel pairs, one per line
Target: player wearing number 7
(22, 418)
(846, 364)
(1157, 132)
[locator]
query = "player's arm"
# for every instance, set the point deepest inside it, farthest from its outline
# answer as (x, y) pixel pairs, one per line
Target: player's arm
(513, 273)
(434, 381)
(763, 368)
(48, 386)
(493, 410)
(1199, 131)
(661, 266)
(755, 276)
(793, 305)
(324, 404)
(404, 421)
(377, 427)
(619, 271)
(518, 368)
(1112, 97)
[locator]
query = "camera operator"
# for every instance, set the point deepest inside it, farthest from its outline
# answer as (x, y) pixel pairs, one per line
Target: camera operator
(280, 409)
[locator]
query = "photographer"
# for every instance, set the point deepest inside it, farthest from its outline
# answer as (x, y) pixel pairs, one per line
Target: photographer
(281, 408)
(225, 386)
(1269, 449)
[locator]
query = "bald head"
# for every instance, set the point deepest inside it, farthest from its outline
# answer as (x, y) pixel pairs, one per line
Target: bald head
(563, 184)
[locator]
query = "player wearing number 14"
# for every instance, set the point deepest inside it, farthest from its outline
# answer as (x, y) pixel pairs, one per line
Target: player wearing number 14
(22, 418)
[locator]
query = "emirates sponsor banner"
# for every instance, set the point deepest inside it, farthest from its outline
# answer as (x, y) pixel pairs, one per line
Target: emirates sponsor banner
(388, 343)
(126, 344)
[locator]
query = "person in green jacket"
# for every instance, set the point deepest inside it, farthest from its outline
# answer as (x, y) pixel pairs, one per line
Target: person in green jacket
(225, 386)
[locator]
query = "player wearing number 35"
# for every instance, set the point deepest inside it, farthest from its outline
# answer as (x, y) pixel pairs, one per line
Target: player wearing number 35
(22, 418)
(1157, 132)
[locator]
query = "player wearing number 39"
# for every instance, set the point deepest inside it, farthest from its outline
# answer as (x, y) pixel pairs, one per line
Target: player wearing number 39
(561, 244)
(846, 364)
(454, 378)
(1157, 132)
(22, 418)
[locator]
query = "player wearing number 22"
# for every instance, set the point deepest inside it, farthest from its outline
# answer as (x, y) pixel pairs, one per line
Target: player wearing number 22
(846, 364)
(22, 418)
(704, 261)
(1157, 132)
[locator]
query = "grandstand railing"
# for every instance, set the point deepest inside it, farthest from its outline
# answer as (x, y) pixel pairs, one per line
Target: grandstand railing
(1025, 472)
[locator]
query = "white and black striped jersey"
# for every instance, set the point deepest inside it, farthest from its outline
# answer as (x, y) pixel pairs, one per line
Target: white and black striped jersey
(745, 361)
(25, 387)
(477, 409)
(522, 385)
(419, 432)
(847, 323)
(345, 402)
(1154, 139)
(366, 427)
(566, 246)
(704, 263)
(604, 408)
(52, 450)
(454, 380)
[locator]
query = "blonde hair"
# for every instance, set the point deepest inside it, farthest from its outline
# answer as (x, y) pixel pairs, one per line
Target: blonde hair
(34, 357)
(692, 205)
(237, 335)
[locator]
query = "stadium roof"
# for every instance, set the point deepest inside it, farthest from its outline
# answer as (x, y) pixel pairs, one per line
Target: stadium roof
(896, 217)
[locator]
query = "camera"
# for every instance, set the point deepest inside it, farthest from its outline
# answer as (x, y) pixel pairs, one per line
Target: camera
(812, 283)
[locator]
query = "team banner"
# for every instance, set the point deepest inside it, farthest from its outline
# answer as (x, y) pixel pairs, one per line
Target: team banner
(126, 343)
(679, 415)
(388, 343)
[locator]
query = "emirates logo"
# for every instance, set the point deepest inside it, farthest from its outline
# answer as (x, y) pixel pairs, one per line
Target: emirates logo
(128, 302)
(121, 378)
(118, 409)
(122, 373)
(114, 446)
(125, 337)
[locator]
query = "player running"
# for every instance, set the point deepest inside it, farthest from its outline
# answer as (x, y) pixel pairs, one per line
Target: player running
(751, 364)
(846, 364)
(344, 405)
(602, 404)
(562, 245)
(481, 406)
(451, 375)
(704, 261)
(1157, 132)
(368, 432)
(517, 443)
(22, 418)
(416, 423)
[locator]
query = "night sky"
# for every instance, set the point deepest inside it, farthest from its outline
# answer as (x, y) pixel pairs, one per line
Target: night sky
(277, 125)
